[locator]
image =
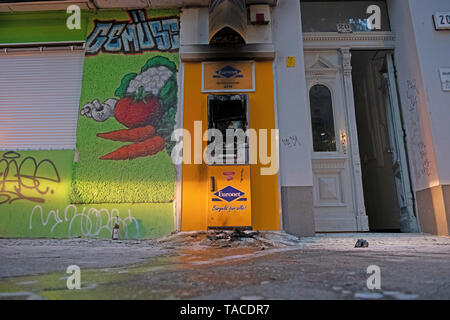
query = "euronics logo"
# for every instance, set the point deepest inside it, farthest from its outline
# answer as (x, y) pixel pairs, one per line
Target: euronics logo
(229, 194)
(228, 72)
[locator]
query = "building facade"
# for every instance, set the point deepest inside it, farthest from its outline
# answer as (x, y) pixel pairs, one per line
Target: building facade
(121, 111)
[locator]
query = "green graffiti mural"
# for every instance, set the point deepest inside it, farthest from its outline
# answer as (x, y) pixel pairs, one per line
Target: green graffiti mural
(136, 221)
(34, 202)
(121, 168)
(127, 109)
(25, 178)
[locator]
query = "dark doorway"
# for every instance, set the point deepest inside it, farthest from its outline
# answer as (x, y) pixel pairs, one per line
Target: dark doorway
(379, 182)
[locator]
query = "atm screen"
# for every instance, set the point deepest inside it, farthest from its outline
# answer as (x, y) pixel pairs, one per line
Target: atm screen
(229, 115)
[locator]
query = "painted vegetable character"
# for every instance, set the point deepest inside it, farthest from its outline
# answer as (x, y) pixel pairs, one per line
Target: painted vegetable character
(133, 113)
(145, 148)
(147, 106)
(99, 111)
(157, 78)
(129, 135)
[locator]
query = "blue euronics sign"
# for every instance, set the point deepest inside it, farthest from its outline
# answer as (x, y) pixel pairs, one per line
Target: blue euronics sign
(229, 194)
(228, 72)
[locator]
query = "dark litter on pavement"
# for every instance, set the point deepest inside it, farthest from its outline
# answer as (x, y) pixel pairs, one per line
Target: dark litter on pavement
(361, 243)
(231, 235)
(233, 238)
(229, 238)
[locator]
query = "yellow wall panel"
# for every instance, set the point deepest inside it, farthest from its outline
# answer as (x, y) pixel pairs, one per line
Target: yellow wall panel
(264, 189)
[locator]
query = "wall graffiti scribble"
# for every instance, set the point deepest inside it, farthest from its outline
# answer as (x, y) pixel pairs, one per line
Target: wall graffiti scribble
(92, 221)
(291, 141)
(422, 164)
(24, 179)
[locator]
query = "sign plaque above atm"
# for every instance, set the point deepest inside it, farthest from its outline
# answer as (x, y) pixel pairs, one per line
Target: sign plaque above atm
(228, 76)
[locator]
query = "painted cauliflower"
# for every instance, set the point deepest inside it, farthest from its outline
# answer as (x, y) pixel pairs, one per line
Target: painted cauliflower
(152, 80)
(157, 78)
(147, 107)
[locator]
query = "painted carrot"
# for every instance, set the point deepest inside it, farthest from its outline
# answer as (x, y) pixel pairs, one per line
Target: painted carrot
(129, 135)
(145, 148)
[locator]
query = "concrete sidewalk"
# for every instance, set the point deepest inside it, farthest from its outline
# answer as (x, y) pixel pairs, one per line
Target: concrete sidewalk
(271, 265)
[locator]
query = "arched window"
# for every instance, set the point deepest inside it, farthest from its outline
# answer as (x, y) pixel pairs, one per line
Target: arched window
(324, 136)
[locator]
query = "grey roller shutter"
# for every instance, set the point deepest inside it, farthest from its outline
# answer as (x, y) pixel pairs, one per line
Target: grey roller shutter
(39, 99)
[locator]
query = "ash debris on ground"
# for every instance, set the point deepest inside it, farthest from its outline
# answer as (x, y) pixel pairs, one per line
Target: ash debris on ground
(230, 239)
(235, 237)
(231, 235)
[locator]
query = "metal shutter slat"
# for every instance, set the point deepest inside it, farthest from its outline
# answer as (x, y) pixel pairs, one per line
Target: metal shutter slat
(39, 100)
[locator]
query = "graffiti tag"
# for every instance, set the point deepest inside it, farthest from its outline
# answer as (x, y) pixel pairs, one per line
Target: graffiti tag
(92, 221)
(291, 142)
(141, 34)
(422, 164)
(25, 176)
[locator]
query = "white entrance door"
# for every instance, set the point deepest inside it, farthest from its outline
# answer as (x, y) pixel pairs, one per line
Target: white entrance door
(338, 192)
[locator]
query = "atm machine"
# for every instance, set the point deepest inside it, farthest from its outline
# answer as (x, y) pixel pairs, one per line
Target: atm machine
(229, 187)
